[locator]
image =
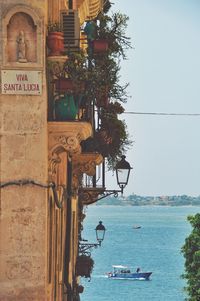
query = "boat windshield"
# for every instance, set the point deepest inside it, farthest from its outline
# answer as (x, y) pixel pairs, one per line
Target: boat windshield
(125, 271)
(121, 269)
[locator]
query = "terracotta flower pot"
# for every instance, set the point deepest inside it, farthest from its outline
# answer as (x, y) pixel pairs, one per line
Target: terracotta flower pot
(64, 84)
(68, 85)
(100, 46)
(55, 43)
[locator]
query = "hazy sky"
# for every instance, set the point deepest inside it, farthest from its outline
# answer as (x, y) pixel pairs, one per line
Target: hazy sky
(163, 70)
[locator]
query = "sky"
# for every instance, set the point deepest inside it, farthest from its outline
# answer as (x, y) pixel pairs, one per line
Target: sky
(163, 72)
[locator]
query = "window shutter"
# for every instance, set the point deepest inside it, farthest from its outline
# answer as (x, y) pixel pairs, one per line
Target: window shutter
(71, 28)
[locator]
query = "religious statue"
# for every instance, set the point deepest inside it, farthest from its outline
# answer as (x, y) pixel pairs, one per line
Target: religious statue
(21, 48)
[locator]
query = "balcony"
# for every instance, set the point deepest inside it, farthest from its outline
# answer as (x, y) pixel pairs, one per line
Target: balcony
(67, 103)
(68, 100)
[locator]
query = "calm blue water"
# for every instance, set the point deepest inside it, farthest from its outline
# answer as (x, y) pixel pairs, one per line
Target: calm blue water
(155, 247)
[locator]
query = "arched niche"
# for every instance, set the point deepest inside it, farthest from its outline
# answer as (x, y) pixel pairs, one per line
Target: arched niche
(23, 37)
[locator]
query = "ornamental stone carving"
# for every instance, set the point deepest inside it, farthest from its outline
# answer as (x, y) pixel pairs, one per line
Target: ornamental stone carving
(84, 163)
(88, 196)
(65, 137)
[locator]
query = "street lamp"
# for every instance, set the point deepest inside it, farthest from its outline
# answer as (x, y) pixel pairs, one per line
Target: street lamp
(100, 232)
(85, 247)
(123, 169)
(95, 193)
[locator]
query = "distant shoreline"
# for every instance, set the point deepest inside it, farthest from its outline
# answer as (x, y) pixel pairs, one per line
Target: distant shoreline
(170, 206)
(163, 201)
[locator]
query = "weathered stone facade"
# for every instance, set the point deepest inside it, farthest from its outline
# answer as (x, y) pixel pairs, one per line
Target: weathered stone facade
(39, 221)
(23, 144)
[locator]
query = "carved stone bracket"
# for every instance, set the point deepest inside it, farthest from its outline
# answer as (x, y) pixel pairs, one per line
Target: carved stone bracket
(84, 163)
(89, 196)
(65, 137)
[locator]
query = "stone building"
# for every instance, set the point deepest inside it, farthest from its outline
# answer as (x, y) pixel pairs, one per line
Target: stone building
(41, 160)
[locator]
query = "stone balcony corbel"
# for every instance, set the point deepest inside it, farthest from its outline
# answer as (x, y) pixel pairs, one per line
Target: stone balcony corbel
(84, 163)
(65, 137)
(88, 196)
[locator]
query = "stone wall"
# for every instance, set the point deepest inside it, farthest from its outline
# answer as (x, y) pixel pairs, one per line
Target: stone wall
(23, 151)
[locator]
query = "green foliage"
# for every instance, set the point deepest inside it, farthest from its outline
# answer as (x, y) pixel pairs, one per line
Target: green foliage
(114, 108)
(111, 139)
(191, 252)
(100, 74)
(113, 29)
(116, 129)
(75, 66)
(84, 266)
(107, 6)
(105, 73)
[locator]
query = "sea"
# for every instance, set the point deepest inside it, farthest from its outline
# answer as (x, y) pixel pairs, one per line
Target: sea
(155, 247)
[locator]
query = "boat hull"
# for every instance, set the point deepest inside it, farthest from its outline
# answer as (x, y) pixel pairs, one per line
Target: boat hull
(130, 276)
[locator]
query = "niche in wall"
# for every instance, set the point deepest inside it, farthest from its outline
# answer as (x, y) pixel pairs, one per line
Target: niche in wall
(21, 39)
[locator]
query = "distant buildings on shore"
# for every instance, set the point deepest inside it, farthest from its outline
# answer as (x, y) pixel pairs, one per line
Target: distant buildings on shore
(137, 200)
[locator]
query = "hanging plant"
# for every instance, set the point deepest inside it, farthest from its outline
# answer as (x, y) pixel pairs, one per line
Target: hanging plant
(111, 139)
(117, 137)
(80, 289)
(84, 266)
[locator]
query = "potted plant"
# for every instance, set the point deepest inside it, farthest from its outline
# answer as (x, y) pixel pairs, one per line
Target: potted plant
(84, 266)
(112, 29)
(96, 44)
(107, 33)
(55, 39)
(70, 85)
(73, 74)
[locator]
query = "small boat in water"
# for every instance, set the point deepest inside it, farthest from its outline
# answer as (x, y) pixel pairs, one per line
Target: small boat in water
(136, 226)
(123, 272)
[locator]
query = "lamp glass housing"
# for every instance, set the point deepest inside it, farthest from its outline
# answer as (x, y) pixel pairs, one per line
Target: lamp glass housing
(122, 177)
(100, 232)
(122, 172)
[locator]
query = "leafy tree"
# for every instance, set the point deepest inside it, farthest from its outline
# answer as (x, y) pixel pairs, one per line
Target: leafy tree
(191, 252)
